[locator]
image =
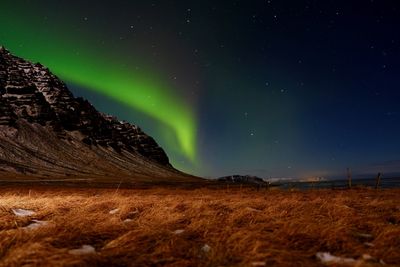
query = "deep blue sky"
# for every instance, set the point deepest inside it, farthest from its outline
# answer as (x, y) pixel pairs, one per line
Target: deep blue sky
(279, 88)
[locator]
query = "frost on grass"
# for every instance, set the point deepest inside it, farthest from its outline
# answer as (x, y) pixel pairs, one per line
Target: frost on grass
(85, 249)
(328, 258)
(35, 224)
(23, 212)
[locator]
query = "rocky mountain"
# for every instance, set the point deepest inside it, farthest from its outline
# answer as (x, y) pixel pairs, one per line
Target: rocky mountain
(46, 131)
(242, 179)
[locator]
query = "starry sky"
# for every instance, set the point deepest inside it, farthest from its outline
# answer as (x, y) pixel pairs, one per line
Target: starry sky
(269, 88)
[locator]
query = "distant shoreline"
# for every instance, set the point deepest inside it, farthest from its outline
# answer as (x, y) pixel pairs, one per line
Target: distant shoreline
(386, 182)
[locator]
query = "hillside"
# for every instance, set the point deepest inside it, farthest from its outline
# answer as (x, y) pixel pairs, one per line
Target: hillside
(47, 133)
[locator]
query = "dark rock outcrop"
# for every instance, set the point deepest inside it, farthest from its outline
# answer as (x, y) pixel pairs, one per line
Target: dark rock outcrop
(34, 100)
(242, 179)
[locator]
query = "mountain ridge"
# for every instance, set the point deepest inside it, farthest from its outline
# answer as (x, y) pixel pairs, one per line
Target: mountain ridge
(36, 107)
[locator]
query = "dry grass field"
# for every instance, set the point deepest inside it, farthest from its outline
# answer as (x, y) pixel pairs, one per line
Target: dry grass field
(198, 227)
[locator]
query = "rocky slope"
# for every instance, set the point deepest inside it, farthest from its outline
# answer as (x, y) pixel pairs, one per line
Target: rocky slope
(46, 131)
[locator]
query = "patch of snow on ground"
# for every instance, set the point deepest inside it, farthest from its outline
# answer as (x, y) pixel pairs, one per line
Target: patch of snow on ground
(23, 212)
(6, 131)
(114, 211)
(35, 224)
(258, 263)
(328, 258)
(363, 235)
(206, 248)
(85, 249)
(252, 209)
(367, 257)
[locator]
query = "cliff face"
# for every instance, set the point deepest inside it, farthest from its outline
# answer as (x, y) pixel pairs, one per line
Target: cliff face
(43, 126)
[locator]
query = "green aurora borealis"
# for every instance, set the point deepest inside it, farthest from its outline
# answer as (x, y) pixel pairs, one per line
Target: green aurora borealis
(268, 88)
(144, 92)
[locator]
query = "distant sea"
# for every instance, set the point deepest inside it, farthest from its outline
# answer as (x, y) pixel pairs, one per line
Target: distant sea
(368, 182)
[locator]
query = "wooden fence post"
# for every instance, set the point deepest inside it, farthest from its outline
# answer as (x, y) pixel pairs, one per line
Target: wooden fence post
(349, 177)
(378, 180)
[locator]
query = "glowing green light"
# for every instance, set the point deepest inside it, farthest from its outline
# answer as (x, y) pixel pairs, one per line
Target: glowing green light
(94, 71)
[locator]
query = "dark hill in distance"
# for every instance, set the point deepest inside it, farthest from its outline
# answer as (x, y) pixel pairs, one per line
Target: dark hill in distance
(47, 134)
(243, 179)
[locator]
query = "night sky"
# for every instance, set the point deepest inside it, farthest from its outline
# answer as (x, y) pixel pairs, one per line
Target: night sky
(269, 88)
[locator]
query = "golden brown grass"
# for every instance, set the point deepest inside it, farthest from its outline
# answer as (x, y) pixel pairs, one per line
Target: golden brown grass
(241, 227)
